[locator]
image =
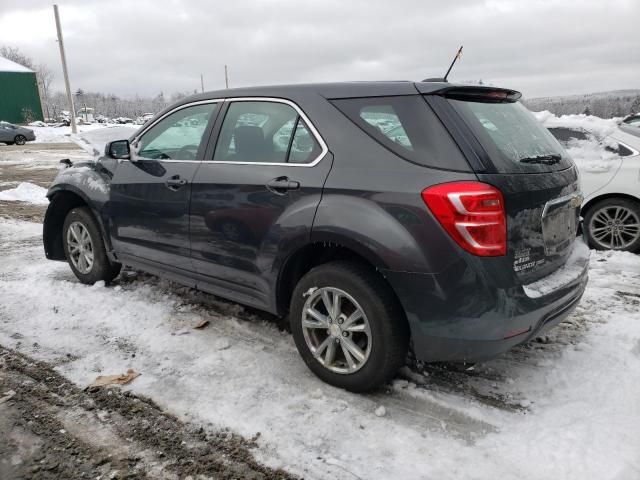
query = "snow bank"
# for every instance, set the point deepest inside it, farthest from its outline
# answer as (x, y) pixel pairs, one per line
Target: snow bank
(601, 127)
(589, 155)
(60, 134)
(94, 141)
(26, 192)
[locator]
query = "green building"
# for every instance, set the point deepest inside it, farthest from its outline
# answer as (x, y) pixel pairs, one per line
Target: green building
(19, 95)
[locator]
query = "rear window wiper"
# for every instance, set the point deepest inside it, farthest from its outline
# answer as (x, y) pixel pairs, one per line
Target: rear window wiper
(549, 159)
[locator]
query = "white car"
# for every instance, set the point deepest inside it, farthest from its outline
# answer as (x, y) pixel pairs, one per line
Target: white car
(608, 159)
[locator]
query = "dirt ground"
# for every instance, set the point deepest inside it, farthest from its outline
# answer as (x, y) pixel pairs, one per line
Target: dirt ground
(13, 173)
(51, 429)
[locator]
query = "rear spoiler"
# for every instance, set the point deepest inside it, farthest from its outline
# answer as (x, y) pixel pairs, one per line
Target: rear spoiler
(470, 93)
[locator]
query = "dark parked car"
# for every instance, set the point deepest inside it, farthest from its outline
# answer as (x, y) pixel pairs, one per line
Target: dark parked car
(10, 134)
(458, 241)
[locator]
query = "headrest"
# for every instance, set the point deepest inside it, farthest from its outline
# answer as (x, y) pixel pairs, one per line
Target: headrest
(249, 141)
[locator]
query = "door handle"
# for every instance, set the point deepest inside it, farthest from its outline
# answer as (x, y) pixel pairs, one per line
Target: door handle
(175, 182)
(281, 185)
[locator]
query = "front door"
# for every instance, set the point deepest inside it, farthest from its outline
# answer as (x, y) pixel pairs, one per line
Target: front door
(150, 194)
(256, 198)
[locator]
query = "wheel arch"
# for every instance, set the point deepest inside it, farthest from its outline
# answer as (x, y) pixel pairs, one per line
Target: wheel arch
(302, 260)
(606, 196)
(62, 199)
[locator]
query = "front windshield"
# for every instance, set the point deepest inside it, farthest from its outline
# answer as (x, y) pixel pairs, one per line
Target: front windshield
(513, 138)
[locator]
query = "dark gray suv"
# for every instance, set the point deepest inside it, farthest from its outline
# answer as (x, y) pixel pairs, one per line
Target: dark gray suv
(380, 216)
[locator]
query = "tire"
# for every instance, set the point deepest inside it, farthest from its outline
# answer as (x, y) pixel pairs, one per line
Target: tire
(385, 345)
(613, 224)
(81, 220)
(20, 140)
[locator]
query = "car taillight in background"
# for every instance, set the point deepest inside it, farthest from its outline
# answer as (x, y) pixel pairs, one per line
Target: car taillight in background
(472, 213)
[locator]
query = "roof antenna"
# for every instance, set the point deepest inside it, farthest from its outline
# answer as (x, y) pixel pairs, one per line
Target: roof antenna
(458, 55)
(444, 79)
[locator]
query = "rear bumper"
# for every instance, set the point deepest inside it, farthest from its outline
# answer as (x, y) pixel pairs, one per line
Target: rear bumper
(458, 316)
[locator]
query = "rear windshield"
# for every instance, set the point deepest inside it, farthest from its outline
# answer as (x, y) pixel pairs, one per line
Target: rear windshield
(514, 140)
(407, 126)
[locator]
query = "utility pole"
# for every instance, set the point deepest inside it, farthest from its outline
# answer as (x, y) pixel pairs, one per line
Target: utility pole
(202, 82)
(63, 57)
(226, 76)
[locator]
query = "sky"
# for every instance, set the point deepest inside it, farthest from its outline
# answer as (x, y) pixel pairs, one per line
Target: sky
(144, 47)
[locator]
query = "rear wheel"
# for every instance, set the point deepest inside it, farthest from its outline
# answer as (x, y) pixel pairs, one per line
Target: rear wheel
(613, 224)
(20, 140)
(348, 326)
(84, 248)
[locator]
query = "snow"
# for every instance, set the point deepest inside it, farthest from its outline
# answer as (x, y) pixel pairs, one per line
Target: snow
(601, 127)
(26, 192)
(589, 155)
(566, 408)
(61, 134)
(7, 65)
(93, 141)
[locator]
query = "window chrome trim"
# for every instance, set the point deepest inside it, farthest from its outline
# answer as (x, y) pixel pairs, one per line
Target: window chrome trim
(575, 200)
(634, 152)
(310, 126)
(173, 110)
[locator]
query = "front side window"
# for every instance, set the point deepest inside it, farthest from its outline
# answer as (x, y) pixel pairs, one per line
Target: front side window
(177, 136)
(264, 132)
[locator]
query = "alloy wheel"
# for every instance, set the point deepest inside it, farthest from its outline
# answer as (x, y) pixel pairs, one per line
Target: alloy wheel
(80, 247)
(614, 227)
(336, 330)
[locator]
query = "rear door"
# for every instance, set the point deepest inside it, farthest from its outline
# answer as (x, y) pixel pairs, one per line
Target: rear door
(255, 197)
(150, 195)
(527, 164)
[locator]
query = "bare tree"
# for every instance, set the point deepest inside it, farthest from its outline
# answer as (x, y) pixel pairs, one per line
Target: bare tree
(15, 55)
(46, 76)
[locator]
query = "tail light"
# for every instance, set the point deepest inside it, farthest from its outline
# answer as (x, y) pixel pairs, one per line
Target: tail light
(472, 213)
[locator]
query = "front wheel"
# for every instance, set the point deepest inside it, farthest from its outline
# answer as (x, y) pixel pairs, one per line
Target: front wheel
(20, 140)
(348, 326)
(84, 248)
(613, 224)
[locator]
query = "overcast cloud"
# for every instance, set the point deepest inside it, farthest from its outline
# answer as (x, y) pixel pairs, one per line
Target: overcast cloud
(145, 47)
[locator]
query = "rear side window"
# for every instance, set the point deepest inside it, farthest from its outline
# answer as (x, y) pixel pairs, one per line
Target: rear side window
(407, 126)
(514, 140)
(265, 132)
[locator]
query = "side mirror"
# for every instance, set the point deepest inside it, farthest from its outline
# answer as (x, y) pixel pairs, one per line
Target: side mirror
(118, 149)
